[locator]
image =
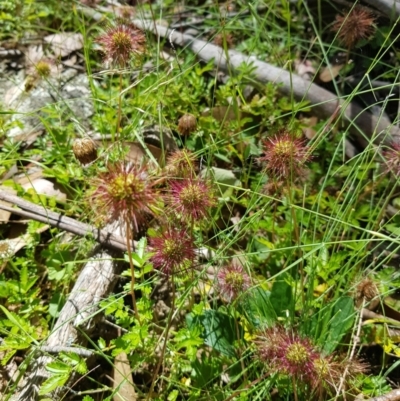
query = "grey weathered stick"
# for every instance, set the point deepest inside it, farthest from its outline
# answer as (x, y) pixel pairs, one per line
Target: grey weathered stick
(79, 314)
(39, 213)
(391, 8)
(393, 395)
(360, 122)
(81, 311)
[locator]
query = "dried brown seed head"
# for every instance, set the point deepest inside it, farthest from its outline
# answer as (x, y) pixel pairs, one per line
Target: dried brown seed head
(354, 26)
(84, 150)
(187, 124)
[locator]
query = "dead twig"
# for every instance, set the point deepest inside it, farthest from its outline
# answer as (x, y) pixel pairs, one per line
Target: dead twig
(40, 213)
(393, 395)
(361, 123)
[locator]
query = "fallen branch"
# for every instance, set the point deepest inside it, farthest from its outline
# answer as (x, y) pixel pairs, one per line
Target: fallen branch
(391, 396)
(79, 315)
(390, 8)
(362, 124)
(39, 213)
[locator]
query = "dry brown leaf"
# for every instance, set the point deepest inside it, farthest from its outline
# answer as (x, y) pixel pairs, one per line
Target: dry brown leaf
(221, 113)
(122, 379)
(309, 131)
(330, 73)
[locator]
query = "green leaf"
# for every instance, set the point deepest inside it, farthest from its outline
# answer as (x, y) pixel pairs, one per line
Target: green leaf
(73, 359)
(87, 398)
(341, 322)
(173, 395)
(52, 383)
(205, 370)
(223, 177)
(23, 277)
(17, 321)
(281, 296)
(58, 367)
(56, 303)
(219, 331)
(257, 308)
(141, 248)
(7, 357)
(101, 343)
(393, 229)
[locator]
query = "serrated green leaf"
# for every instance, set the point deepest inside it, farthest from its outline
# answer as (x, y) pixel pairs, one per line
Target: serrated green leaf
(81, 367)
(173, 395)
(58, 367)
(18, 322)
(7, 357)
(52, 383)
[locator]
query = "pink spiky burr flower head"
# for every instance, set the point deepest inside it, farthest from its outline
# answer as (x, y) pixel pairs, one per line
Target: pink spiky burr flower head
(232, 281)
(125, 193)
(187, 124)
(287, 353)
(329, 371)
(392, 159)
(121, 42)
(181, 164)
(191, 198)
(284, 155)
(174, 251)
(354, 26)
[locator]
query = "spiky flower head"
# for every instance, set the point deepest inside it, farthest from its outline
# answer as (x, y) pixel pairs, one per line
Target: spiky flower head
(6, 249)
(181, 164)
(392, 159)
(287, 353)
(187, 124)
(331, 370)
(290, 354)
(84, 150)
(191, 198)
(121, 42)
(354, 26)
(125, 193)
(284, 155)
(232, 281)
(174, 251)
(221, 38)
(43, 68)
(367, 291)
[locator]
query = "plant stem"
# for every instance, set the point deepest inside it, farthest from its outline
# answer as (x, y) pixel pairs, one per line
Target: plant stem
(238, 338)
(294, 389)
(119, 108)
(153, 379)
(297, 236)
(128, 245)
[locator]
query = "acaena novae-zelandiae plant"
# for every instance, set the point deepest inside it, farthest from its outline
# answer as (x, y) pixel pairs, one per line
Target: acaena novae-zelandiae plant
(120, 44)
(125, 193)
